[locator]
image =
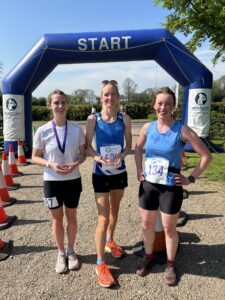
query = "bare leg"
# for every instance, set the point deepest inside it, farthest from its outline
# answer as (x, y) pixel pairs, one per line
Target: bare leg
(169, 225)
(57, 227)
(102, 201)
(148, 219)
(71, 216)
(115, 197)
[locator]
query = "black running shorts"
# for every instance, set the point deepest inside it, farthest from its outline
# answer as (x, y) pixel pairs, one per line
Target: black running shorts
(105, 183)
(168, 198)
(66, 192)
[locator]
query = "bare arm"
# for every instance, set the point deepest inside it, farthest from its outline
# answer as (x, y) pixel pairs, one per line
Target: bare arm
(128, 136)
(90, 128)
(128, 139)
(37, 158)
(138, 151)
(189, 136)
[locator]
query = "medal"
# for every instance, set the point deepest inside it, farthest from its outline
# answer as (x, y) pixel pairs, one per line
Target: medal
(63, 146)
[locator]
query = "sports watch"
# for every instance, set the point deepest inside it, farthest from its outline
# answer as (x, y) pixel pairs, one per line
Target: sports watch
(191, 179)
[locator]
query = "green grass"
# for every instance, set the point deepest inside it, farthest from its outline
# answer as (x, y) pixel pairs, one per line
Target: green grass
(215, 171)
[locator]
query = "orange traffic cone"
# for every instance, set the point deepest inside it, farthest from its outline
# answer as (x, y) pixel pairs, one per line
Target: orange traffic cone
(160, 243)
(182, 162)
(8, 177)
(12, 163)
(5, 249)
(5, 220)
(4, 194)
(21, 157)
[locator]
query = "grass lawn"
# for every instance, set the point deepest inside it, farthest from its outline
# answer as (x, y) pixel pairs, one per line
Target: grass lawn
(215, 170)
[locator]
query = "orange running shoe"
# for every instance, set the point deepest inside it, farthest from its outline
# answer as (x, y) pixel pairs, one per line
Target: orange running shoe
(113, 248)
(105, 277)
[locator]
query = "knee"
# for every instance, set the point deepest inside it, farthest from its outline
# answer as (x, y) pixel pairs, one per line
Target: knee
(71, 218)
(103, 222)
(147, 224)
(170, 231)
(58, 219)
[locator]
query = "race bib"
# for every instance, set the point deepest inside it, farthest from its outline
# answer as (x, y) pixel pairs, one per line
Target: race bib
(51, 202)
(156, 170)
(109, 153)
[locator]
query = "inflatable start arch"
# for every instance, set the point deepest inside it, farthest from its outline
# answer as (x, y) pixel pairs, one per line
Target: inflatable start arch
(93, 47)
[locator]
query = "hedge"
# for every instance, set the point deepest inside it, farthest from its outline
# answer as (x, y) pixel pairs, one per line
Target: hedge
(134, 110)
(80, 112)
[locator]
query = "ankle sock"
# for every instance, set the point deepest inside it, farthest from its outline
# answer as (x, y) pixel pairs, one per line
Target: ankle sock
(108, 239)
(70, 249)
(170, 262)
(149, 256)
(99, 261)
(62, 252)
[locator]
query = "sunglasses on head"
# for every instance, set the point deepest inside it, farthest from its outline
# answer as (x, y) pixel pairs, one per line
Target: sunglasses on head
(112, 82)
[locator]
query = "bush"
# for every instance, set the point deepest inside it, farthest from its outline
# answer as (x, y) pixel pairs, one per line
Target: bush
(138, 110)
(41, 113)
(80, 112)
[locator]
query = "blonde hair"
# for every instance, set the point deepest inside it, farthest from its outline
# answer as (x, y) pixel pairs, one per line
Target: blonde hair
(113, 83)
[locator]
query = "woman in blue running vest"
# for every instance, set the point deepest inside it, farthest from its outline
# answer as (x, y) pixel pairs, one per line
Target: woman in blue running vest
(109, 128)
(160, 178)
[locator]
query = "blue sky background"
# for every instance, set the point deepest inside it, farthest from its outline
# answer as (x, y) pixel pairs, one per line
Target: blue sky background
(23, 22)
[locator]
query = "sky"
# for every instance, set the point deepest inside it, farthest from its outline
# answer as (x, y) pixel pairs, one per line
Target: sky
(23, 22)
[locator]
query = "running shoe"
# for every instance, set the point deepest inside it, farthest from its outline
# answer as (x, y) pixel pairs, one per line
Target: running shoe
(114, 249)
(105, 277)
(170, 275)
(73, 262)
(144, 267)
(61, 266)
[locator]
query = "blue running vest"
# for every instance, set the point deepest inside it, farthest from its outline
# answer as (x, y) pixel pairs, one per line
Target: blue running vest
(167, 145)
(109, 134)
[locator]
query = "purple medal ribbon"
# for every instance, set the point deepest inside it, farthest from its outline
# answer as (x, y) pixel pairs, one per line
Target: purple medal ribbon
(61, 148)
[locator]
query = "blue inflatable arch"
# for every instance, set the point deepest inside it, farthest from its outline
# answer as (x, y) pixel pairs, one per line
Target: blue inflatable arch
(93, 47)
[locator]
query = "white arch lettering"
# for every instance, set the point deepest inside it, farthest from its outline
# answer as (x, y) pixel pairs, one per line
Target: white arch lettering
(115, 41)
(102, 44)
(82, 44)
(92, 40)
(126, 38)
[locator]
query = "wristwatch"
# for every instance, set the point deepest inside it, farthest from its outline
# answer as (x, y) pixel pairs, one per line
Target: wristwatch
(191, 179)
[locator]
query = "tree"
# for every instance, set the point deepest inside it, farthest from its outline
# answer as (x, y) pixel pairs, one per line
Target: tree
(201, 19)
(80, 95)
(129, 88)
(41, 101)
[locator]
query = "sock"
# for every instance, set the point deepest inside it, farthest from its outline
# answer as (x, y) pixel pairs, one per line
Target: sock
(70, 249)
(149, 256)
(99, 261)
(170, 262)
(62, 252)
(108, 239)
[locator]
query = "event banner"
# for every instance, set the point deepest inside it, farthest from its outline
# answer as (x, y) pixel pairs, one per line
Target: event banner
(13, 114)
(199, 107)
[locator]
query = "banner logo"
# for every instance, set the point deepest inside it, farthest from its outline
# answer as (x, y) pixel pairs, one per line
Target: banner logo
(11, 104)
(201, 99)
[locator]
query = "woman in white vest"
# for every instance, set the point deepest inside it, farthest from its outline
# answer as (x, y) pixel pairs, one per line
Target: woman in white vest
(59, 147)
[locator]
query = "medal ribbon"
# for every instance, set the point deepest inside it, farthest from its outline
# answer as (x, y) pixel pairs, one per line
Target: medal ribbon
(61, 148)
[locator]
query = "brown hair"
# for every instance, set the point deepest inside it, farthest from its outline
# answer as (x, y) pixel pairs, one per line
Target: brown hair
(56, 92)
(164, 90)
